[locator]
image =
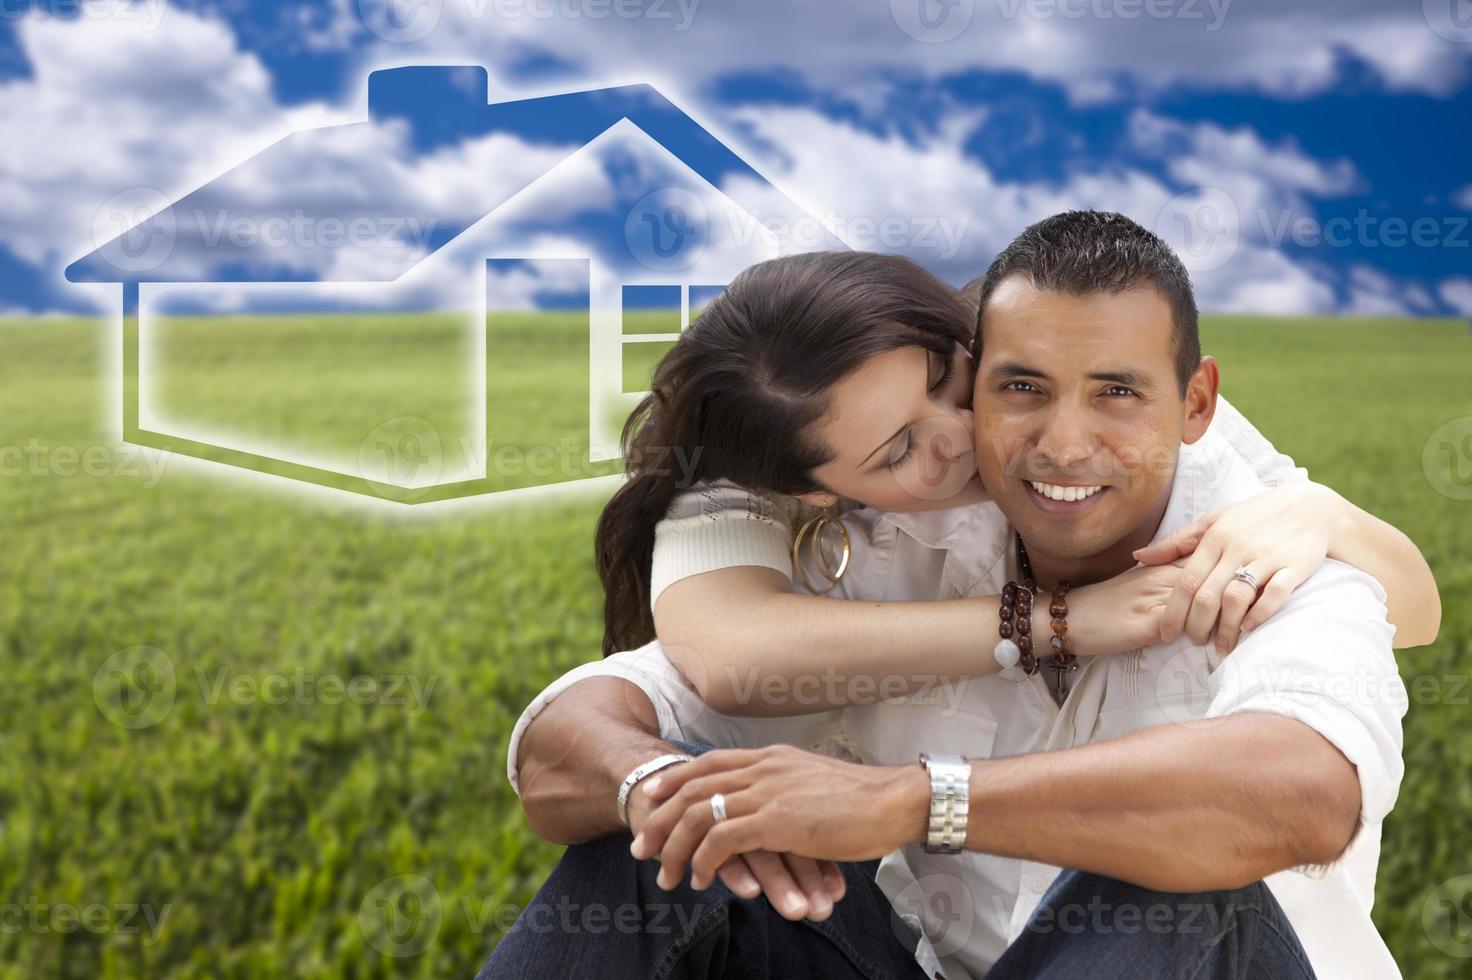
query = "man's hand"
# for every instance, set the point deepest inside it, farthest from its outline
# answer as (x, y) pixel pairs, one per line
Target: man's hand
(781, 799)
(798, 887)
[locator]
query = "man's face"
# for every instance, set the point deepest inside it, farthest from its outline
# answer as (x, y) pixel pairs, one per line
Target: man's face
(1077, 397)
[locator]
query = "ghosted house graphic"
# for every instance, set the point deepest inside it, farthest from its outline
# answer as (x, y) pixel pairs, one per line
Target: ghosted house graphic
(608, 201)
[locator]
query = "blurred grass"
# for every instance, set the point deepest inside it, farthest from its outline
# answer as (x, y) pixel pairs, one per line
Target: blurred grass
(266, 829)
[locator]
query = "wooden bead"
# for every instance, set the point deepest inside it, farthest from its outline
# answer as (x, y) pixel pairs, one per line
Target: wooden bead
(1024, 625)
(1058, 609)
(1024, 641)
(1007, 612)
(1009, 593)
(1060, 627)
(1005, 630)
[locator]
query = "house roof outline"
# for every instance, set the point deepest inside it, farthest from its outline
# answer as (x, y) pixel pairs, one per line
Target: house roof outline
(569, 121)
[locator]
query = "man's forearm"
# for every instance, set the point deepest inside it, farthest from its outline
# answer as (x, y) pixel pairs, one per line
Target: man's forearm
(574, 755)
(1198, 806)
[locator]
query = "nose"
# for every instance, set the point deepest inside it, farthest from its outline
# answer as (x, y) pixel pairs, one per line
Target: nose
(1066, 441)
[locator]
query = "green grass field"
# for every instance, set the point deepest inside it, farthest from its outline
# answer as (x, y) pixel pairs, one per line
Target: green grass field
(265, 816)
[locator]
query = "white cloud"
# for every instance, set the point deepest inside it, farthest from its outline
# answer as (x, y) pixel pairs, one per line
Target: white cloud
(111, 108)
(1373, 293)
(1457, 293)
(1096, 49)
(942, 183)
(1262, 281)
(1259, 174)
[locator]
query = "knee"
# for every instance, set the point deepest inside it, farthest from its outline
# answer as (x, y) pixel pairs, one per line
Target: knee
(1101, 895)
(605, 867)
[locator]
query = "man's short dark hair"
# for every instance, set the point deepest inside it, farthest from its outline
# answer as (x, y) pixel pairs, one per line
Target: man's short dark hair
(1082, 252)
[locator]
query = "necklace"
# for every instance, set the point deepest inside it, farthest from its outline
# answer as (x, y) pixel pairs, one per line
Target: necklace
(1062, 662)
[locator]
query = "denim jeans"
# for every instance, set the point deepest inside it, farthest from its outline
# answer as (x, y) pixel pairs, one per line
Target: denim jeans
(601, 914)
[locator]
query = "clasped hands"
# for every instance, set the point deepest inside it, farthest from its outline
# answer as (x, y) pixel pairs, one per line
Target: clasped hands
(791, 815)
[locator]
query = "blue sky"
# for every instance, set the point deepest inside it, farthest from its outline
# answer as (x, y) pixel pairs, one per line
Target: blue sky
(1304, 160)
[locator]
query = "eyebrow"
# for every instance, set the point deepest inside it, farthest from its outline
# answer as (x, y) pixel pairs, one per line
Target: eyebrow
(1011, 370)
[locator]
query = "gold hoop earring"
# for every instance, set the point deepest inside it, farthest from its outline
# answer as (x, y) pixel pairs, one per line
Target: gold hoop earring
(813, 531)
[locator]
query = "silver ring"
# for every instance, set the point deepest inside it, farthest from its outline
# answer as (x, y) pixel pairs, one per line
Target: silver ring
(1243, 575)
(718, 807)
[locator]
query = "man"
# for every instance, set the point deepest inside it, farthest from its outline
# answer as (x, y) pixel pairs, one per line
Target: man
(1171, 769)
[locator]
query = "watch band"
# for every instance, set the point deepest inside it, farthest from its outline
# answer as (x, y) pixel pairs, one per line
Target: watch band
(647, 769)
(950, 793)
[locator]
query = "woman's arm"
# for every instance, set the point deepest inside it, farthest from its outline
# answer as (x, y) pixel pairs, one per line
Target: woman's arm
(727, 616)
(751, 646)
(1413, 604)
(1293, 528)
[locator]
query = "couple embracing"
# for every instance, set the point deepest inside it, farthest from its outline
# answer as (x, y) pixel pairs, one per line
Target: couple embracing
(975, 635)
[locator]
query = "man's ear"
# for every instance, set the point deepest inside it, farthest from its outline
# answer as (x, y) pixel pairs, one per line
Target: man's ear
(818, 498)
(1200, 406)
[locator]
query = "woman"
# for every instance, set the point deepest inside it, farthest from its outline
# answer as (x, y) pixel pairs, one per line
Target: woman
(747, 398)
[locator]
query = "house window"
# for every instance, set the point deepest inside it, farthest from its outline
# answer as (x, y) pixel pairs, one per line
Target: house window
(653, 317)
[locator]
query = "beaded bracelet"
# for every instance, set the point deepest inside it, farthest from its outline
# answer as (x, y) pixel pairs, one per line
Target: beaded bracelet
(1014, 646)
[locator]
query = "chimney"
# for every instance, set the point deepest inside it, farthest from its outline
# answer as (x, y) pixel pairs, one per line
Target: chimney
(442, 103)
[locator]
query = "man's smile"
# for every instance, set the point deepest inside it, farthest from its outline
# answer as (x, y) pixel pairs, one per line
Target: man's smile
(1056, 498)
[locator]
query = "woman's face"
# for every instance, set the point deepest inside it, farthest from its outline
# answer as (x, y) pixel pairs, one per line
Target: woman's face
(900, 431)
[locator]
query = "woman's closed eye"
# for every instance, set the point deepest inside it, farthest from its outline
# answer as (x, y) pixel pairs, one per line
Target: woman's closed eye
(909, 451)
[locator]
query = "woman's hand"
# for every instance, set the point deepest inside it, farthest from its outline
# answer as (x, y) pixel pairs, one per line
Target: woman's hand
(798, 887)
(1281, 536)
(778, 798)
(1117, 615)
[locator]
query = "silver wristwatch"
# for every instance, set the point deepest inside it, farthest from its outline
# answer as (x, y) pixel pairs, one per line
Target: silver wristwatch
(950, 791)
(647, 769)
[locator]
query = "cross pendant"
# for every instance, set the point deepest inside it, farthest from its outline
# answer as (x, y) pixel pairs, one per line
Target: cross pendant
(1060, 668)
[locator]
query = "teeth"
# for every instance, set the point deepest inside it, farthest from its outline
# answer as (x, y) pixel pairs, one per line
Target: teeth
(1053, 492)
